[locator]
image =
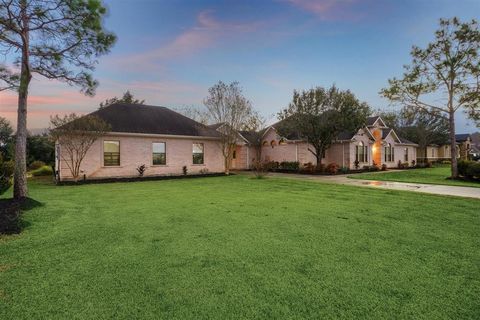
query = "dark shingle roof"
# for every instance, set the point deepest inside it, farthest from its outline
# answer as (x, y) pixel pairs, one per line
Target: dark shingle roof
(371, 120)
(138, 118)
(345, 135)
(462, 137)
(386, 132)
(405, 141)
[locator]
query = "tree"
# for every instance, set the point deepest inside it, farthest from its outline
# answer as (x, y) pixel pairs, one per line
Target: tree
(444, 77)
(76, 135)
(227, 105)
(424, 127)
(318, 115)
(126, 98)
(40, 148)
(6, 132)
(56, 39)
(194, 113)
(253, 131)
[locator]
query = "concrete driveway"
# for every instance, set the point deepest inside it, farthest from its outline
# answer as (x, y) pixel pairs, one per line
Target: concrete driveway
(467, 192)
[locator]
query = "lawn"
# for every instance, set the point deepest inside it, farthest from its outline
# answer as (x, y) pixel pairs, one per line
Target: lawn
(236, 247)
(435, 175)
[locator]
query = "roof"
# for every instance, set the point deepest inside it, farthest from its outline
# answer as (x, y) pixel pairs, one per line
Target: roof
(345, 135)
(462, 137)
(371, 120)
(139, 118)
(249, 136)
(215, 126)
(405, 141)
(386, 132)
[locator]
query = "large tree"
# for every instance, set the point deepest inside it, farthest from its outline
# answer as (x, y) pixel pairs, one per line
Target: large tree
(424, 127)
(318, 115)
(226, 105)
(126, 98)
(75, 135)
(444, 76)
(56, 39)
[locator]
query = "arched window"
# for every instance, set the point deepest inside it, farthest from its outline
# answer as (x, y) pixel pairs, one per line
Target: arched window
(264, 143)
(389, 153)
(273, 143)
(361, 152)
(282, 141)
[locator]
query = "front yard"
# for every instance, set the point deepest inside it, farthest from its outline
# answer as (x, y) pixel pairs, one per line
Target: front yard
(235, 247)
(435, 175)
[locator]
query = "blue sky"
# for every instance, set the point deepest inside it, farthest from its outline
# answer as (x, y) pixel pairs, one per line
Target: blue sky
(170, 52)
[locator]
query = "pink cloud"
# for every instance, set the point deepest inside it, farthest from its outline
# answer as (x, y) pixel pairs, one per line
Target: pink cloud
(205, 34)
(331, 9)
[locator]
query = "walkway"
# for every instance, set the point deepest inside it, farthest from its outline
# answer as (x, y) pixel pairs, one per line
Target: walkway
(467, 192)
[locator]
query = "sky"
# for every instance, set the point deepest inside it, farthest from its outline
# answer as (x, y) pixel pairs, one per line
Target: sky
(170, 52)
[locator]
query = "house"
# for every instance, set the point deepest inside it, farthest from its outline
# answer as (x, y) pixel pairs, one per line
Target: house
(166, 142)
(435, 152)
(373, 144)
(157, 137)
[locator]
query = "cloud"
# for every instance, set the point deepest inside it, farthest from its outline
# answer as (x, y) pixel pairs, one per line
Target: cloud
(331, 10)
(206, 33)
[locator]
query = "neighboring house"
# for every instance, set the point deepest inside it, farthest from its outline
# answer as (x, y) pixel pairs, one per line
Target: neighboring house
(161, 139)
(373, 144)
(443, 152)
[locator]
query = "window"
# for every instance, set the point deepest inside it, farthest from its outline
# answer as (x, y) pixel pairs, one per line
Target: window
(389, 151)
(111, 153)
(361, 152)
(433, 153)
(234, 155)
(198, 153)
(405, 156)
(159, 155)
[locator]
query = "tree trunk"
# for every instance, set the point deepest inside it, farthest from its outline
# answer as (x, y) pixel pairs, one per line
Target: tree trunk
(227, 165)
(20, 177)
(453, 145)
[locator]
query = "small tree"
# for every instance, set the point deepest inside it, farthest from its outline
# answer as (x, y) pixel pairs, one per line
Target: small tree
(424, 127)
(255, 128)
(6, 132)
(126, 98)
(227, 105)
(56, 39)
(445, 76)
(318, 115)
(76, 135)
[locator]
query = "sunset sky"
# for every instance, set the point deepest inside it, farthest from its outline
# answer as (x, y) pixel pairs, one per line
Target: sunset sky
(170, 52)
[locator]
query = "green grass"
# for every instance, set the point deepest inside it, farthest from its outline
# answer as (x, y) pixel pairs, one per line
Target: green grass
(435, 175)
(236, 247)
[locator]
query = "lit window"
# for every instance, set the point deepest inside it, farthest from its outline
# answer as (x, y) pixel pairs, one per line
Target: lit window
(198, 153)
(159, 155)
(111, 153)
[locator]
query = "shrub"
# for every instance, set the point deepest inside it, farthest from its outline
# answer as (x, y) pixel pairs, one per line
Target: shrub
(428, 164)
(384, 167)
(373, 168)
(320, 168)
(332, 168)
(36, 165)
(399, 165)
(204, 171)
(141, 170)
(6, 173)
(309, 167)
(43, 171)
(356, 164)
(344, 170)
(414, 163)
(469, 169)
(184, 170)
(289, 165)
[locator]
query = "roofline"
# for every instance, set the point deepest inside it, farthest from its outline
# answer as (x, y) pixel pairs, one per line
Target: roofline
(154, 135)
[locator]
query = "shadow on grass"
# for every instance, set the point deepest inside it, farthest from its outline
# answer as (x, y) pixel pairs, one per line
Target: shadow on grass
(10, 214)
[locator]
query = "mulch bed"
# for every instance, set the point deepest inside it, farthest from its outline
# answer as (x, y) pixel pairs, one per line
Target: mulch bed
(135, 179)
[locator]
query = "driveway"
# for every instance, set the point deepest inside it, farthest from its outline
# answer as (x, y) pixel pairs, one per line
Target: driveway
(467, 192)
